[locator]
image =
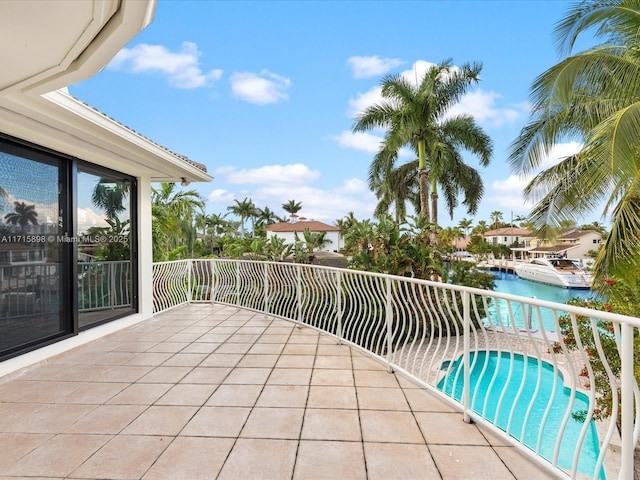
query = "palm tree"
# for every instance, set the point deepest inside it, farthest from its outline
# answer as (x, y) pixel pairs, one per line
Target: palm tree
(265, 217)
(596, 226)
(346, 223)
(496, 218)
(593, 96)
(244, 209)
(214, 225)
(3, 196)
(173, 216)
(520, 219)
(481, 227)
(23, 215)
(418, 117)
(449, 237)
(465, 224)
(396, 187)
(110, 195)
(292, 208)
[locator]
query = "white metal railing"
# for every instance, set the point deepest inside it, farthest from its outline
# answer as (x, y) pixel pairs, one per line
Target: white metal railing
(104, 285)
(505, 360)
(34, 287)
(29, 288)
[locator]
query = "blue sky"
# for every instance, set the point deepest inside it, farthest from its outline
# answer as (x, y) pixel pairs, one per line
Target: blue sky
(264, 93)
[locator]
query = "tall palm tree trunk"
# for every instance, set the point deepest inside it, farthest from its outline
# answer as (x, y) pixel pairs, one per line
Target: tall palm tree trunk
(434, 202)
(423, 179)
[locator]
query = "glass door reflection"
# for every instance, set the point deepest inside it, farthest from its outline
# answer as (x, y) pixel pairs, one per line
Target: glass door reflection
(32, 293)
(105, 267)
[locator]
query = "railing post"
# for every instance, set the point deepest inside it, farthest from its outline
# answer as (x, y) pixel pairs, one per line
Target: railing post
(627, 421)
(266, 289)
(299, 292)
(466, 374)
(388, 321)
(237, 283)
(339, 306)
(189, 292)
(112, 285)
(212, 293)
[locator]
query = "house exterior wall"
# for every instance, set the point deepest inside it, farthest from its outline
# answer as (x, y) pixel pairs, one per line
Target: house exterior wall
(145, 252)
(505, 239)
(333, 239)
(584, 244)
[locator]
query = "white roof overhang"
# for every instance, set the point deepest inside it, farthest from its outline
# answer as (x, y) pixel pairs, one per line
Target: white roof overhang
(46, 45)
(63, 123)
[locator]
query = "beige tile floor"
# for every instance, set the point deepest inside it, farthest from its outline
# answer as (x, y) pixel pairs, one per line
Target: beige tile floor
(214, 392)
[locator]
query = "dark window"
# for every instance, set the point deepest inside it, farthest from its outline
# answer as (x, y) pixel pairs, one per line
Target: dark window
(43, 281)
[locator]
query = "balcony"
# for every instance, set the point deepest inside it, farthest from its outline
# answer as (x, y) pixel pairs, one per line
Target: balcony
(261, 370)
(211, 391)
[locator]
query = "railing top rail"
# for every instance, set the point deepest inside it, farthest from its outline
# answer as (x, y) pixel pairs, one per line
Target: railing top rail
(184, 260)
(581, 311)
(99, 262)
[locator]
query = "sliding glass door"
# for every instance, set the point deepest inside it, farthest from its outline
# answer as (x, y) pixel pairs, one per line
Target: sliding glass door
(104, 256)
(67, 246)
(33, 290)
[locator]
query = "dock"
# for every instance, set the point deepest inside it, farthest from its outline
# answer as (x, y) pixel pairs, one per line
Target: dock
(497, 264)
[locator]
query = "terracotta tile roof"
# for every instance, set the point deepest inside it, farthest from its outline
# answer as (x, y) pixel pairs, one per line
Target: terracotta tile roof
(521, 232)
(300, 226)
(577, 234)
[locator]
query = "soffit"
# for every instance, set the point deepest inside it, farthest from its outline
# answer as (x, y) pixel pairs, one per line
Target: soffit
(46, 44)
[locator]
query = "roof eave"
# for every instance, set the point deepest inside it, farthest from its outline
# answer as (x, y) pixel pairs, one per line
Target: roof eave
(63, 123)
(84, 61)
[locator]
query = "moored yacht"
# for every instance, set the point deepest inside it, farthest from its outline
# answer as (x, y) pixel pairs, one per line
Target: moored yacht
(559, 272)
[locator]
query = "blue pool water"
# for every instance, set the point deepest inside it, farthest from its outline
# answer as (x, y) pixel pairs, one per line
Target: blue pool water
(512, 284)
(486, 397)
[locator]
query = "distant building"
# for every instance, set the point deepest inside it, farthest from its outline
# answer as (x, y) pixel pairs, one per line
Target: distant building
(506, 236)
(572, 243)
(287, 231)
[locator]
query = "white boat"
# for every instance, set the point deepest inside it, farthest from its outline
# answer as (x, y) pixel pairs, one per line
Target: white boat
(559, 272)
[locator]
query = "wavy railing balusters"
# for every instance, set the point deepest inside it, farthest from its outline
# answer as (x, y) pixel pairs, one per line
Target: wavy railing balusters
(501, 359)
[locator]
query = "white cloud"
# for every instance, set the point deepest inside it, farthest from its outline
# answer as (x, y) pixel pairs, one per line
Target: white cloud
(560, 152)
(365, 142)
(363, 67)
(273, 185)
(326, 205)
(417, 71)
(363, 100)
(292, 174)
(483, 107)
(507, 193)
(224, 170)
(182, 68)
(262, 89)
(220, 195)
(88, 218)
(353, 186)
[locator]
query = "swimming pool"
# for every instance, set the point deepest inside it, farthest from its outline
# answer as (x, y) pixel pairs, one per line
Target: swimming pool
(496, 389)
